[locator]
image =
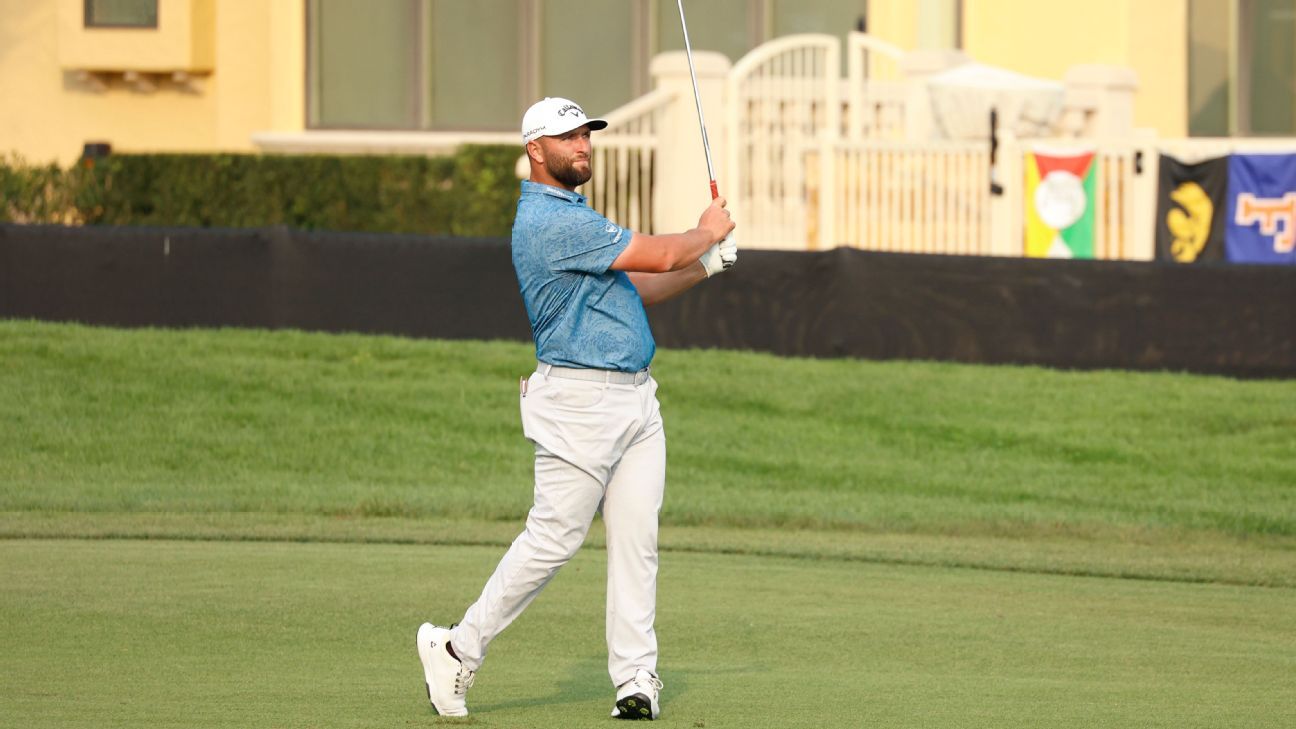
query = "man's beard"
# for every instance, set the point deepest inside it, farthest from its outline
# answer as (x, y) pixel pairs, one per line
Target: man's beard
(565, 172)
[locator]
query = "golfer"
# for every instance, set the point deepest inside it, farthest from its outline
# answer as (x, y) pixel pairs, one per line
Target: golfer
(590, 408)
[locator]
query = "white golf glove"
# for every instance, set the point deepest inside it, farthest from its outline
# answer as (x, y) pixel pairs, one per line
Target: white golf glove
(720, 257)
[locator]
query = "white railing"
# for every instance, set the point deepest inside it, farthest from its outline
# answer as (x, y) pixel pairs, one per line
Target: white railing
(813, 161)
(875, 94)
(623, 185)
(1125, 191)
(783, 114)
(913, 197)
(933, 197)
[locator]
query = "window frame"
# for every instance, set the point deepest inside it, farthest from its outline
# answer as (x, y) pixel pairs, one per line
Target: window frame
(420, 95)
(1239, 75)
(1245, 64)
(417, 80)
(644, 44)
(87, 19)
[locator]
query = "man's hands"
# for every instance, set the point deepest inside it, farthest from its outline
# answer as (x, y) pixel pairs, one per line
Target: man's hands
(660, 277)
(715, 220)
(717, 224)
(719, 257)
(679, 251)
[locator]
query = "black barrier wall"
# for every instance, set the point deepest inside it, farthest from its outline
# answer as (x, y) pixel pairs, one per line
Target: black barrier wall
(272, 278)
(1236, 320)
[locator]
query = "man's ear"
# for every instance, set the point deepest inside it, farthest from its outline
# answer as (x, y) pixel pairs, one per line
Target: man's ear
(535, 151)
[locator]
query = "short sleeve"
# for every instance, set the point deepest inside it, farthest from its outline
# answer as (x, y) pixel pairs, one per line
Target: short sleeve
(584, 241)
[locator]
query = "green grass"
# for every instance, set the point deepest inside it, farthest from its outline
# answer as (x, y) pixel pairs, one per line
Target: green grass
(243, 528)
(166, 634)
(199, 421)
(171, 433)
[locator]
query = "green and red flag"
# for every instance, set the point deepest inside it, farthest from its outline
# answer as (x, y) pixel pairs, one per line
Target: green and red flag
(1060, 202)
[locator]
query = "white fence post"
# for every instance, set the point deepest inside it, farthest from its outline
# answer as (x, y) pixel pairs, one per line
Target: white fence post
(1142, 234)
(832, 134)
(681, 174)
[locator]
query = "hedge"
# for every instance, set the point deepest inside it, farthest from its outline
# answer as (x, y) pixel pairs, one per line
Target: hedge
(472, 193)
(41, 193)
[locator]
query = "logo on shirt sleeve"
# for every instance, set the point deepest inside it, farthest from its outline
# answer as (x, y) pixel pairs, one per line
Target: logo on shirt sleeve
(611, 230)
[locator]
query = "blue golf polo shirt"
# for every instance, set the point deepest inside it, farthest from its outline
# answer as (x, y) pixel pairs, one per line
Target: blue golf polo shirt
(583, 314)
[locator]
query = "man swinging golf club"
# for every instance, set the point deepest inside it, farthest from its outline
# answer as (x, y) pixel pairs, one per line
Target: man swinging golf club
(590, 408)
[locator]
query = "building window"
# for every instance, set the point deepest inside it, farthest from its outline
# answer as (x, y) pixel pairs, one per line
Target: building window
(1268, 35)
(731, 27)
(473, 65)
(476, 66)
(121, 13)
(414, 64)
(587, 53)
(1210, 54)
(1241, 68)
(363, 65)
(834, 17)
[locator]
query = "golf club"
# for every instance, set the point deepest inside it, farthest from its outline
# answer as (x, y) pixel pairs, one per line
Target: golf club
(697, 99)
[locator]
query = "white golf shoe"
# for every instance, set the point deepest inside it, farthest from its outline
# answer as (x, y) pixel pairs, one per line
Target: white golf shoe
(446, 678)
(637, 698)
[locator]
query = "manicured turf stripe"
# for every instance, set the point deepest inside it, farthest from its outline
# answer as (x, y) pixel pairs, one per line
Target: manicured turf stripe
(161, 633)
(1129, 554)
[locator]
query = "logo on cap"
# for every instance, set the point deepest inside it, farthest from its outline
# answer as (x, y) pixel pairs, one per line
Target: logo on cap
(553, 116)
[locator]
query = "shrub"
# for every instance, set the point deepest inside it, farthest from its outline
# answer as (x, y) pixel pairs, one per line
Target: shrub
(38, 194)
(472, 193)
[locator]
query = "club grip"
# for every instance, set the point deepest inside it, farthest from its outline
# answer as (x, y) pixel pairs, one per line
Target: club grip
(715, 190)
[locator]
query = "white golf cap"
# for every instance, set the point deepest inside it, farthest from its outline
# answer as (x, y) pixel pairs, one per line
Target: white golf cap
(552, 116)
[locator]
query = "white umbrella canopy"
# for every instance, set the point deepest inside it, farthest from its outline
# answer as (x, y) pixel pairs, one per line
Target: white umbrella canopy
(963, 96)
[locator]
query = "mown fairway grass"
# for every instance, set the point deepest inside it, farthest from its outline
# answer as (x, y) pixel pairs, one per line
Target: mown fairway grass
(820, 520)
(222, 634)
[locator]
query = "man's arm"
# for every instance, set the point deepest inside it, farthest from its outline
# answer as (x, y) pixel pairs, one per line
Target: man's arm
(659, 254)
(678, 252)
(655, 288)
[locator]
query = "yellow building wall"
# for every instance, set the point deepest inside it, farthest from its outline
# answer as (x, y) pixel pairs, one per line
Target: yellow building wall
(256, 84)
(1046, 38)
(1159, 55)
(182, 40)
(894, 21)
(258, 57)
(260, 83)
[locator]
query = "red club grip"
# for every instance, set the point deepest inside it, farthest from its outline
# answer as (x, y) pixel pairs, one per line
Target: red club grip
(715, 190)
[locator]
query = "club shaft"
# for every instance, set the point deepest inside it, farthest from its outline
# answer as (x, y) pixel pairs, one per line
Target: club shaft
(697, 99)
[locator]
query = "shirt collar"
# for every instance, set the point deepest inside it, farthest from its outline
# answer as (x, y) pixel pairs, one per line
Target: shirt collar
(539, 188)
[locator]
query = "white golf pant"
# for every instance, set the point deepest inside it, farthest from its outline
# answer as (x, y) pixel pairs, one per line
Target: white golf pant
(598, 445)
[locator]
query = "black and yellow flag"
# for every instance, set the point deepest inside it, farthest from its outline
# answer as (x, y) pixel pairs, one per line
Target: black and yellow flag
(1192, 210)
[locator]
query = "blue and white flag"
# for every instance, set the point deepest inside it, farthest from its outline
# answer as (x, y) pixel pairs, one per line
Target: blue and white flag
(1262, 208)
